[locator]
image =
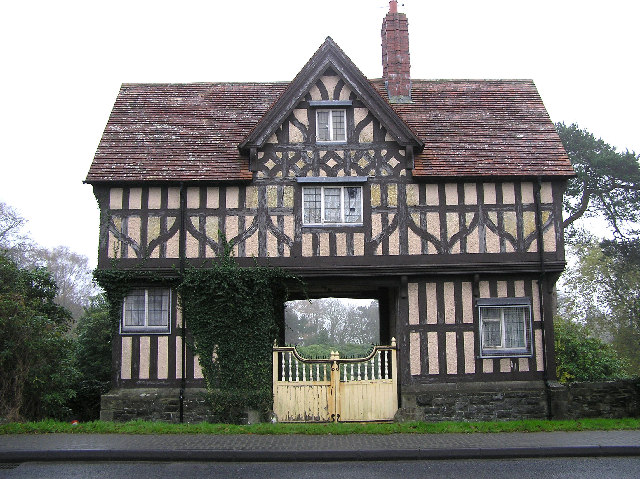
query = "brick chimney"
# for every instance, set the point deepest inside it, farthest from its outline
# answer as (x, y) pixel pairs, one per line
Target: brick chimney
(395, 55)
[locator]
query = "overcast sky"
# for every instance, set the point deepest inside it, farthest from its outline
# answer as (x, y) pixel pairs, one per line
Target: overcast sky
(64, 61)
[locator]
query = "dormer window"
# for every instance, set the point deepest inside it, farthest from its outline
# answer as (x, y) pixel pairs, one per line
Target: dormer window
(331, 125)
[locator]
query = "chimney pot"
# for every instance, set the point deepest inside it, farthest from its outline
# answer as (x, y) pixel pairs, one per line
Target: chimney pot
(393, 6)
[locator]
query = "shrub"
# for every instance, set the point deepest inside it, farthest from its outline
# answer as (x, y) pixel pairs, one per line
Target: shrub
(581, 357)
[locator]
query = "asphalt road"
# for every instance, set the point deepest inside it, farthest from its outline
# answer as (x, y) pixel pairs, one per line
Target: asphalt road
(582, 468)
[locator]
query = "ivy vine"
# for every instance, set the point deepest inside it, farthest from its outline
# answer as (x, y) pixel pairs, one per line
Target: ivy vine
(233, 314)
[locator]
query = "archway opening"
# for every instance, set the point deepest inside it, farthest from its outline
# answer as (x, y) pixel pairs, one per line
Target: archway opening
(318, 326)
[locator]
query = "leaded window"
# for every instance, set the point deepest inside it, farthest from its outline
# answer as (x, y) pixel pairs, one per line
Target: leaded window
(146, 310)
(331, 125)
(505, 329)
(324, 205)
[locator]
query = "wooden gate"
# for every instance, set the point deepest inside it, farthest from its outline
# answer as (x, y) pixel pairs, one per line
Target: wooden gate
(335, 389)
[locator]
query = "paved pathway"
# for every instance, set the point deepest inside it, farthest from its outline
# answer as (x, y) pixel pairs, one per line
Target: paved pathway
(248, 447)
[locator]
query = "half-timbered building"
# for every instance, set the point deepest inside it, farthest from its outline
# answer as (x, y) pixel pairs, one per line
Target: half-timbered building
(440, 199)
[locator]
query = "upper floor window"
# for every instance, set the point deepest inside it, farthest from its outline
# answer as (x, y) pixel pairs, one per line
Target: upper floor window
(323, 205)
(505, 327)
(146, 310)
(331, 125)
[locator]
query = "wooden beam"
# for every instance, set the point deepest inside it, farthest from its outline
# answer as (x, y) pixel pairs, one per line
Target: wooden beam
(253, 159)
(408, 153)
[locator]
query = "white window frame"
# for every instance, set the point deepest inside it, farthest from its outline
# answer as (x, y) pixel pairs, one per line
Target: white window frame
(503, 304)
(146, 327)
(342, 221)
(331, 133)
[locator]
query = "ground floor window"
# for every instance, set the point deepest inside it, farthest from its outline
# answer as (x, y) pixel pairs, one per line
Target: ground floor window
(505, 327)
(146, 310)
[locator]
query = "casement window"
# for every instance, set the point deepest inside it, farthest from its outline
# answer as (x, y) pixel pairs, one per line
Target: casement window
(331, 125)
(146, 310)
(505, 327)
(332, 205)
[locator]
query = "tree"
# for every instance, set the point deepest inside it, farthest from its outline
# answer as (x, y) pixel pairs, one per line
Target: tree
(607, 182)
(622, 286)
(582, 357)
(14, 242)
(93, 359)
(602, 290)
(37, 370)
(71, 271)
(73, 276)
(11, 224)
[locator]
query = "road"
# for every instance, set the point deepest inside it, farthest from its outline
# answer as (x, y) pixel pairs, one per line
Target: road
(582, 468)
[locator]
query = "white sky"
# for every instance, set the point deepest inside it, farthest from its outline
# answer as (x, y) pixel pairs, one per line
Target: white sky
(64, 61)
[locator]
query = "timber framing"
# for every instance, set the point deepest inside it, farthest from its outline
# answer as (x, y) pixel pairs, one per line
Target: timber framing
(460, 189)
(330, 56)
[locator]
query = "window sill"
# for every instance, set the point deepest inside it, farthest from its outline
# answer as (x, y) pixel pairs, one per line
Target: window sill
(146, 331)
(506, 354)
(334, 225)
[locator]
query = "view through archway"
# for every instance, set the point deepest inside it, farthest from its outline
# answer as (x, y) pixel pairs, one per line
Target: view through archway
(319, 326)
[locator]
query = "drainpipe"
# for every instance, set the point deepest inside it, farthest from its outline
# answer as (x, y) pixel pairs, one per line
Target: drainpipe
(542, 289)
(182, 248)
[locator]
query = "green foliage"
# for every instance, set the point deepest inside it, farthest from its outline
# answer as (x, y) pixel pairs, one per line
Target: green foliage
(602, 290)
(234, 315)
(607, 182)
(37, 371)
(581, 357)
(622, 286)
(93, 359)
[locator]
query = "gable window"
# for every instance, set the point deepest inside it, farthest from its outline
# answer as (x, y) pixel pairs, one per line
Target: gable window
(331, 125)
(505, 327)
(146, 310)
(322, 205)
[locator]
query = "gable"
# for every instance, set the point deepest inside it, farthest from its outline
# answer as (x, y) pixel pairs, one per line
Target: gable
(329, 92)
(330, 58)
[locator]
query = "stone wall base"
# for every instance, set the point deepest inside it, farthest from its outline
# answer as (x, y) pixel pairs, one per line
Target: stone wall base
(500, 401)
(611, 399)
(154, 404)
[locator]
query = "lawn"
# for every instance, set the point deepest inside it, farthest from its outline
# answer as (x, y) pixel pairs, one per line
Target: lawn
(147, 427)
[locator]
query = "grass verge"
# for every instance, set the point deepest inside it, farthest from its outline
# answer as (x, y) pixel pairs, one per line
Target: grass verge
(147, 427)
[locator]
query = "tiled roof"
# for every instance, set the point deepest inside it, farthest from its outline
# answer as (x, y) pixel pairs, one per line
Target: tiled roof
(482, 128)
(180, 132)
(191, 132)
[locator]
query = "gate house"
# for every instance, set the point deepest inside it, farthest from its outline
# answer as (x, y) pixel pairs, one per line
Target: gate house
(440, 199)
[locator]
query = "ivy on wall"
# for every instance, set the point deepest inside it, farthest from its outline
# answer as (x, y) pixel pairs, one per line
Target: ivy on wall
(233, 316)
